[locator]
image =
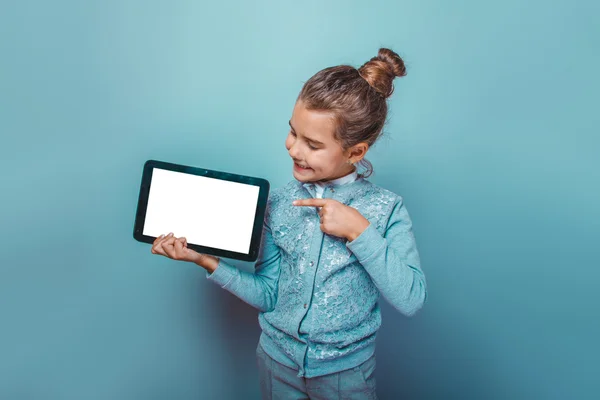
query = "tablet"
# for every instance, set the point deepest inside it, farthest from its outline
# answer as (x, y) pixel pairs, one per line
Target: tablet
(219, 213)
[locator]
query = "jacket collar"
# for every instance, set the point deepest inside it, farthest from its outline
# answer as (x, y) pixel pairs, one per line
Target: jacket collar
(351, 177)
(342, 192)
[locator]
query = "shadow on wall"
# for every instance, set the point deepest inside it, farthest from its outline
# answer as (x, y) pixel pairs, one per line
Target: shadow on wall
(239, 322)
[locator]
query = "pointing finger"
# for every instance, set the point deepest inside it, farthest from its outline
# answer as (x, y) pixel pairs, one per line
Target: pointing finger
(310, 202)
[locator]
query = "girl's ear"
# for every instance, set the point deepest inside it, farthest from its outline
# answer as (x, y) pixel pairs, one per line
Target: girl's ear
(358, 151)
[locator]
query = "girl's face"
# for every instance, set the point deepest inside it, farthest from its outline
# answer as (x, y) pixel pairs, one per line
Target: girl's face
(310, 144)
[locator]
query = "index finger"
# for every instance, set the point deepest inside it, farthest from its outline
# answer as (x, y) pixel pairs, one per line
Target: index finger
(310, 202)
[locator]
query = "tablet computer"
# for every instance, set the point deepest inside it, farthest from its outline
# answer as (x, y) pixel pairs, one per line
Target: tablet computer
(219, 213)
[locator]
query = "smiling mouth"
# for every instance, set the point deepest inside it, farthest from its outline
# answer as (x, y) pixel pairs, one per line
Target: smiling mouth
(300, 167)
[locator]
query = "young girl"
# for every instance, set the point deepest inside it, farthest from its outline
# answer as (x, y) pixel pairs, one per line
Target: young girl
(332, 243)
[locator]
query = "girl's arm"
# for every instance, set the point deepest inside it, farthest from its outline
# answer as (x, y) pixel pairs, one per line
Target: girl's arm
(259, 289)
(392, 261)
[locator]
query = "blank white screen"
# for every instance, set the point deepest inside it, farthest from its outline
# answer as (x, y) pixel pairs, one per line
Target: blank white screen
(206, 211)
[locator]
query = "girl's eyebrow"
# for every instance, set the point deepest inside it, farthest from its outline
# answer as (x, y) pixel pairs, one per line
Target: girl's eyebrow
(307, 138)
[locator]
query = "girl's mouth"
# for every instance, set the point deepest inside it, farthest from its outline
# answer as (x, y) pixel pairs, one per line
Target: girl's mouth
(300, 168)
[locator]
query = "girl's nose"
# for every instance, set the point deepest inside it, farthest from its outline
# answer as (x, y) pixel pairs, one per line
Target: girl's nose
(293, 152)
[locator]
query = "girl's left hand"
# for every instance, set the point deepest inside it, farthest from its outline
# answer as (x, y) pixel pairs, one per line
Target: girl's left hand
(336, 218)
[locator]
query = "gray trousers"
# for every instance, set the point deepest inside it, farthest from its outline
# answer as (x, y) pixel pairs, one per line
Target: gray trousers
(278, 381)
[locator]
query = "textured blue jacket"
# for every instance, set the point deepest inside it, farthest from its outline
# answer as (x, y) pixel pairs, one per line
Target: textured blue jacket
(317, 294)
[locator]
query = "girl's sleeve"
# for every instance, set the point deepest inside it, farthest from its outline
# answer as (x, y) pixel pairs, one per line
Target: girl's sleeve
(259, 289)
(392, 261)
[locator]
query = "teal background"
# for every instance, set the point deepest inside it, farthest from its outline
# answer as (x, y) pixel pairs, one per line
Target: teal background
(492, 141)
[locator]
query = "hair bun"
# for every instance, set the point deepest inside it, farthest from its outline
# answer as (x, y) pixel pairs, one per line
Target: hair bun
(380, 71)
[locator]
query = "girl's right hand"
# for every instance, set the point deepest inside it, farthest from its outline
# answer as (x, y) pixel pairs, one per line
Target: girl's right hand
(175, 248)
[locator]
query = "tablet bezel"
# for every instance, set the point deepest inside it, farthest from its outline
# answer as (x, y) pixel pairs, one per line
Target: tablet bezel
(261, 206)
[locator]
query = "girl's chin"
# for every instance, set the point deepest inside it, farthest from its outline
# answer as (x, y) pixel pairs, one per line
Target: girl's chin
(303, 177)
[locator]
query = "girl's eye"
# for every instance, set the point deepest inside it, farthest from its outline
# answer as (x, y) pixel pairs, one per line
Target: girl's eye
(311, 147)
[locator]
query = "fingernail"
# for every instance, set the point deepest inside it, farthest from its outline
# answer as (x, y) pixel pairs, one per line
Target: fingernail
(294, 202)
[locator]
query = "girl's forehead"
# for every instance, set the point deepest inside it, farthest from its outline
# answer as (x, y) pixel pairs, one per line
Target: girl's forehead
(313, 124)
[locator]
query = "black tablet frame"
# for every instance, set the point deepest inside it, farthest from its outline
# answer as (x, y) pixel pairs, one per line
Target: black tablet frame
(264, 187)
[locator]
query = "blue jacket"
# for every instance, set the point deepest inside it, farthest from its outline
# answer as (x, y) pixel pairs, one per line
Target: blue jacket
(317, 294)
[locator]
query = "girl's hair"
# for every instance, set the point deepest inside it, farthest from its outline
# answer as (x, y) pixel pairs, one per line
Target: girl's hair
(356, 98)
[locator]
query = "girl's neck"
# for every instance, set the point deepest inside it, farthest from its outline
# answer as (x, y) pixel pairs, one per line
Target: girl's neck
(338, 179)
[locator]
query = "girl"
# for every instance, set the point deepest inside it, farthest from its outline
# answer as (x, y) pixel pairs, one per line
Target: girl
(332, 242)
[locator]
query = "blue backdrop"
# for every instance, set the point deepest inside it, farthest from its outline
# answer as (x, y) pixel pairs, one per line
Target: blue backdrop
(492, 141)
